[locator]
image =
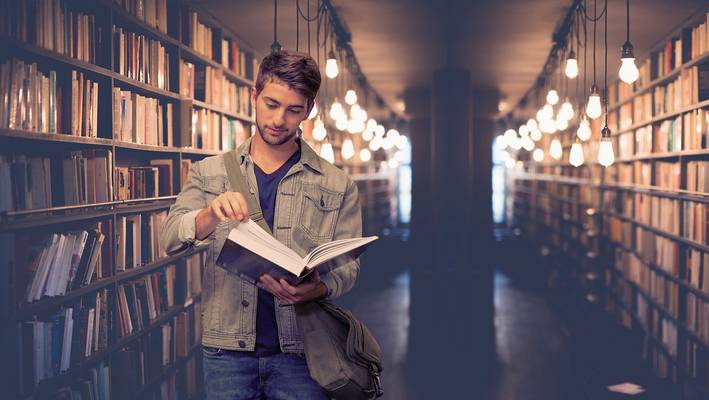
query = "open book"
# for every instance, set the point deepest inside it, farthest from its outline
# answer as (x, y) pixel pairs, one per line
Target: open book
(249, 246)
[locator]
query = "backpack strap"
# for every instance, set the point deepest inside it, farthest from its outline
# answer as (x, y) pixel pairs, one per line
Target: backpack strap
(238, 184)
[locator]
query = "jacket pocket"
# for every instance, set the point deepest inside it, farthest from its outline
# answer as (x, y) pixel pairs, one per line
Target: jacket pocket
(318, 213)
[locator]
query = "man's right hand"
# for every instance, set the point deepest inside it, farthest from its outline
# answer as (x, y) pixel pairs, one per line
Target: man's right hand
(228, 205)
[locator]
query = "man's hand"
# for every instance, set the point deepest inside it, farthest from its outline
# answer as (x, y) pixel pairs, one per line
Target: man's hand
(228, 205)
(311, 289)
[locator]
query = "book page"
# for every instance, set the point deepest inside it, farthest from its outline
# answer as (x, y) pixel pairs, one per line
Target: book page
(328, 251)
(254, 238)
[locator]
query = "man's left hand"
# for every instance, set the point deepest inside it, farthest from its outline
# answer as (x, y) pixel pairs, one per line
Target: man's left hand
(286, 293)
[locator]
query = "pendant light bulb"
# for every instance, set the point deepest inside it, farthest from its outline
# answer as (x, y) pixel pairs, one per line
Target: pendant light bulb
(561, 123)
(552, 97)
(605, 150)
(527, 143)
(576, 154)
(319, 131)
(593, 108)
(347, 149)
(313, 111)
(532, 124)
(567, 110)
(584, 130)
(628, 70)
(351, 97)
(536, 134)
(365, 155)
(331, 69)
(538, 155)
(327, 153)
(572, 66)
(555, 149)
(336, 110)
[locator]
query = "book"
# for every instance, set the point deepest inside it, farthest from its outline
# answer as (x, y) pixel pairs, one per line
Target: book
(249, 247)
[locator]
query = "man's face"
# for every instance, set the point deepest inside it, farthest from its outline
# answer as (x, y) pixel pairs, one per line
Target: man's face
(279, 111)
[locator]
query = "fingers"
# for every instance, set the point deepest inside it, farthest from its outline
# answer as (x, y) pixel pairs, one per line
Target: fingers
(231, 205)
(277, 290)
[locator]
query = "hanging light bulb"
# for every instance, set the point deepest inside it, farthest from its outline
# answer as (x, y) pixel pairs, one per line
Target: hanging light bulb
(379, 131)
(350, 97)
(393, 133)
(561, 124)
(605, 150)
(547, 126)
(527, 143)
(376, 143)
(336, 110)
(538, 155)
(572, 66)
(593, 108)
(552, 97)
(555, 149)
(327, 152)
(371, 124)
(402, 142)
(567, 110)
(584, 130)
(576, 154)
(510, 135)
(532, 124)
(342, 124)
(367, 135)
(628, 70)
(347, 149)
(365, 155)
(523, 130)
(319, 131)
(536, 135)
(331, 69)
(313, 111)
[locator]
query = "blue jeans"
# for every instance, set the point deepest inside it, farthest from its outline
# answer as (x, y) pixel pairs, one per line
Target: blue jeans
(237, 375)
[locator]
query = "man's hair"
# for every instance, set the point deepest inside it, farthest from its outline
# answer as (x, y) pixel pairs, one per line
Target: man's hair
(297, 70)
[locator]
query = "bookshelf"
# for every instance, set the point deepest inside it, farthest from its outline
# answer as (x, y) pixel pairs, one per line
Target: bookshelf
(631, 239)
(125, 321)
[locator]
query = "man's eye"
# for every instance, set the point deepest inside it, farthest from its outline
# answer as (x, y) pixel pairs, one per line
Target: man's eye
(294, 111)
(271, 105)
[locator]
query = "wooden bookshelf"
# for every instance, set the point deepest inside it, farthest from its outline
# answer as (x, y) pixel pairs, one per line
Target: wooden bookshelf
(620, 216)
(21, 222)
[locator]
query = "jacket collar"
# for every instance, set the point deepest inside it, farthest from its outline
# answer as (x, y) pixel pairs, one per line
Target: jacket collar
(308, 156)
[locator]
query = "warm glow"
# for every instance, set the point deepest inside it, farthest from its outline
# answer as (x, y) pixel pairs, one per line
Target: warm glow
(538, 155)
(365, 155)
(605, 152)
(532, 124)
(552, 97)
(319, 131)
(380, 130)
(367, 135)
(347, 149)
(327, 152)
(337, 112)
(576, 155)
(536, 135)
(523, 130)
(567, 110)
(584, 130)
(510, 163)
(313, 111)
(555, 149)
(331, 69)
(561, 123)
(376, 143)
(342, 124)
(393, 163)
(593, 109)
(351, 97)
(572, 68)
(401, 142)
(527, 143)
(628, 70)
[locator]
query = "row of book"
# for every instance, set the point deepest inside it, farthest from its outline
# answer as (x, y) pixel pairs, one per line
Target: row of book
(50, 347)
(68, 261)
(200, 37)
(209, 84)
(689, 131)
(30, 99)
(140, 302)
(141, 58)
(142, 120)
(205, 129)
(43, 182)
(649, 247)
(63, 30)
(144, 182)
(145, 359)
(95, 385)
(696, 362)
(152, 12)
(137, 240)
(84, 106)
(233, 57)
(696, 228)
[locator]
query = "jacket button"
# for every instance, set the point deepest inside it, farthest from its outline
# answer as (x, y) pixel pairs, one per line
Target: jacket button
(242, 344)
(245, 303)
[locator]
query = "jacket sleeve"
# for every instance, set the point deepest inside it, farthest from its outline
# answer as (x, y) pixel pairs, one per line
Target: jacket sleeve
(349, 225)
(178, 230)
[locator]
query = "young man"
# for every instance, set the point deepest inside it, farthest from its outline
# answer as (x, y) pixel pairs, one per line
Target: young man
(251, 343)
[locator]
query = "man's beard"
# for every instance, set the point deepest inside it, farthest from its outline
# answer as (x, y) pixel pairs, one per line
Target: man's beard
(275, 141)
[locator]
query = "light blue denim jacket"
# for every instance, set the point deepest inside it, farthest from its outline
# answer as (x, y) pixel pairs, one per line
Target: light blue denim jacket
(316, 203)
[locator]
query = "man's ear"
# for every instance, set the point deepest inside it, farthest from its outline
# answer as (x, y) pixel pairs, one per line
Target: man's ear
(253, 96)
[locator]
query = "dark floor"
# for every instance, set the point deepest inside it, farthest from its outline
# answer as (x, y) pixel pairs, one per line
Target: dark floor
(540, 355)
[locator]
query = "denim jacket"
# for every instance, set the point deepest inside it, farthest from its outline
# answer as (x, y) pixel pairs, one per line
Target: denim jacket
(316, 203)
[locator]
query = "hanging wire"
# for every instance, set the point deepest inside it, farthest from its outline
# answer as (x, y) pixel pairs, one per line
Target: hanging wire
(308, 21)
(275, 46)
(585, 51)
(594, 43)
(297, 29)
(605, 70)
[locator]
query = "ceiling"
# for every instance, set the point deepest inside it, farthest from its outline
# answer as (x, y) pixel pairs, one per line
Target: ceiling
(504, 43)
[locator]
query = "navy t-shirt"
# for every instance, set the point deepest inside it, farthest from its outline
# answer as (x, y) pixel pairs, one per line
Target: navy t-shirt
(266, 327)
